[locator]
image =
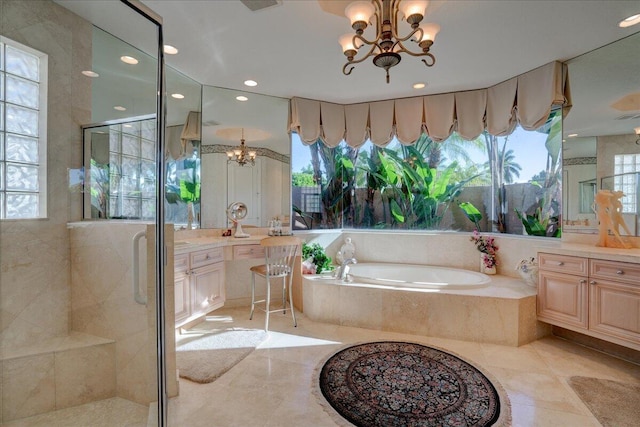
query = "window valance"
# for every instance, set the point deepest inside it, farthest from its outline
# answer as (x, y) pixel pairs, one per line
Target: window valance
(526, 99)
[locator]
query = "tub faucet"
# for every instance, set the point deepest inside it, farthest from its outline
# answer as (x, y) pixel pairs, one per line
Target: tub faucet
(342, 270)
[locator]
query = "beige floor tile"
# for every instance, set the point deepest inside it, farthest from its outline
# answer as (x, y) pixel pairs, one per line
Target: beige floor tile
(523, 358)
(568, 359)
(273, 385)
(536, 389)
(535, 416)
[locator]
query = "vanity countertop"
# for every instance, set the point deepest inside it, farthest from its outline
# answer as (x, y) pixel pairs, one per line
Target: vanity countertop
(590, 251)
(197, 243)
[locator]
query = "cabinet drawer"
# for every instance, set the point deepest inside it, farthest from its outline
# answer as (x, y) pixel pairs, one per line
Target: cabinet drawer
(206, 257)
(563, 264)
(181, 263)
(248, 251)
(613, 270)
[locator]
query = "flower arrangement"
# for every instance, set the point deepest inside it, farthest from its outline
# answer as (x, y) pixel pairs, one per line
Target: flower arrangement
(487, 246)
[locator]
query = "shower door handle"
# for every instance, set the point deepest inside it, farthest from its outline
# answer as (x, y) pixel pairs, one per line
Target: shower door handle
(138, 296)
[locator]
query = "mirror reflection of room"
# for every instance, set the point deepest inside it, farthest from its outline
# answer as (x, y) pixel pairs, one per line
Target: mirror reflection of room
(233, 121)
(600, 150)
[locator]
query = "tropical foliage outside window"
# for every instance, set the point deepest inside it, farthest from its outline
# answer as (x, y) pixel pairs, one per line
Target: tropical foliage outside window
(509, 184)
(123, 182)
(22, 135)
(183, 188)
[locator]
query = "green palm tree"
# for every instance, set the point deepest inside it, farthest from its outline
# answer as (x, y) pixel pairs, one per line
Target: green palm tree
(337, 183)
(507, 167)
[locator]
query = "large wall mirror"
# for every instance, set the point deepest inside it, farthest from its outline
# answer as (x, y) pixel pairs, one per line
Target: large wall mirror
(600, 145)
(204, 123)
(119, 144)
(229, 116)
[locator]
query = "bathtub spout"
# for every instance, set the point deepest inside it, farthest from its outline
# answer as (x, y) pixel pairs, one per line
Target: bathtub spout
(341, 273)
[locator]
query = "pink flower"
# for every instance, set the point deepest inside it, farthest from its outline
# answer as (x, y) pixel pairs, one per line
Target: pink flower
(486, 245)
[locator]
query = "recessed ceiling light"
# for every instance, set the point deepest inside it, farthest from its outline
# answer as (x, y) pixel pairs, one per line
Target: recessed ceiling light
(177, 95)
(90, 73)
(119, 108)
(629, 21)
(242, 98)
(419, 85)
(170, 50)
(127, 125)
(129, 60)
(250, 83)
(572, 135)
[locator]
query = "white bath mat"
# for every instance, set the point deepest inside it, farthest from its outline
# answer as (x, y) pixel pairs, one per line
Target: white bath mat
(205, 357)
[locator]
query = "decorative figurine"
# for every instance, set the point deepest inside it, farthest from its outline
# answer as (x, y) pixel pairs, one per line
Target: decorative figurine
(608, 208)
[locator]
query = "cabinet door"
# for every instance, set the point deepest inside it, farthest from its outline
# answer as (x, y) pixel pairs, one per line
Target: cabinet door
(181, 296)
(563, 299)
(207, 288)
(615, 310)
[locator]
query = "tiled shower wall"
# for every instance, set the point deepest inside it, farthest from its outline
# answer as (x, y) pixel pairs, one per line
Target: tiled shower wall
(102, 301)
(34, 254)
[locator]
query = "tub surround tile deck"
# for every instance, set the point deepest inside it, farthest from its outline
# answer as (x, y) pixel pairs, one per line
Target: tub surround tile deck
(501, 313)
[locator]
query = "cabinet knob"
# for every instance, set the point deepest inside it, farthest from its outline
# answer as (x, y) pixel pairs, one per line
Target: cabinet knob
(593, 282)
(560, 263)
(620, 272)
(583, 281)
(208, 257)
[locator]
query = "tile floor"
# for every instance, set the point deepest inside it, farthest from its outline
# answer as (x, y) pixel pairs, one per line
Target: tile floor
(272, 386)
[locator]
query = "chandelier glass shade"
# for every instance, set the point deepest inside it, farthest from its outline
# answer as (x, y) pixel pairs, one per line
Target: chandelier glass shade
(388, 45)
(241, 155)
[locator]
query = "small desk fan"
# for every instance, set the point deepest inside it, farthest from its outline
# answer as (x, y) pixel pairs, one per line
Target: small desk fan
(236, 212)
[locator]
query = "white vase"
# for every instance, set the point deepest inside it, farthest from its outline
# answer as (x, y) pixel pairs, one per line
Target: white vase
(483, 266)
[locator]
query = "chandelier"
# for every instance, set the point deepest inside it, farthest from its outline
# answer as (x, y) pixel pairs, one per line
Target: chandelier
(388, 44)
(240, 155)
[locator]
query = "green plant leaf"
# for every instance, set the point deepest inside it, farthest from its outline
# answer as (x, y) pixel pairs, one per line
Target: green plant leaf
(471, 212)
(396, 211)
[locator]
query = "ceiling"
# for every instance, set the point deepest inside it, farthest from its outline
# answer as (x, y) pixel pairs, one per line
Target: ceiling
(291, 49)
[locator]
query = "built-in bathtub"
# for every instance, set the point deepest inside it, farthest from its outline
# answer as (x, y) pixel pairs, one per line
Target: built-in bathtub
(427, 300)
(416, 276)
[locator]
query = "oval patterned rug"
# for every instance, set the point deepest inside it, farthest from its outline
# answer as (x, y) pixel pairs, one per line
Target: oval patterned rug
(408, 384)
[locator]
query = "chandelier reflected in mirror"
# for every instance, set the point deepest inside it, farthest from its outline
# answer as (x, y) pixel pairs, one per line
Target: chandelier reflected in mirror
(241, 155)
(388, 43)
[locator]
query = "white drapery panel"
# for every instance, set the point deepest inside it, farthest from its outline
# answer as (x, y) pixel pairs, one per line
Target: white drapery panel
(179, 138)
(357, 119)
(526, 99)
(381, 122)
(333, 123)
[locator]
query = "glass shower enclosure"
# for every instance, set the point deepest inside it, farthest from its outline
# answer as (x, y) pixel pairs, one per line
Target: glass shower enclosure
(82, 271)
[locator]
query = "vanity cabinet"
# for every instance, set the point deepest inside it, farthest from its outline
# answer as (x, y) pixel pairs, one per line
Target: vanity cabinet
(563, 290)
(199, 283)
(615, 299)
(181, 287)
(248, 252)
(600, 298)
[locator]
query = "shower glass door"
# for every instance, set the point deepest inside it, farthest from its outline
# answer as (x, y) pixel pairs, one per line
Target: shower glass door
(81, 338)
